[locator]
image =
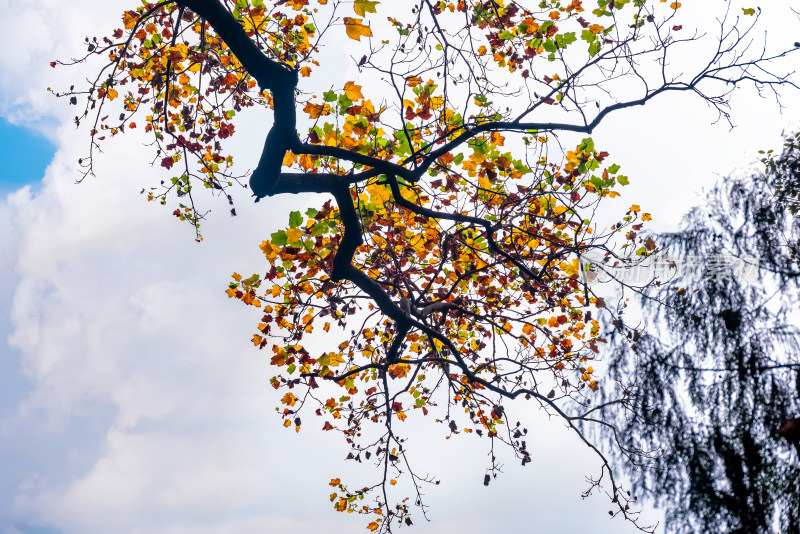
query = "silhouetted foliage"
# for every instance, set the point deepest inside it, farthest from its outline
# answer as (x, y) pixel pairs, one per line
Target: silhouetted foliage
(711, 381)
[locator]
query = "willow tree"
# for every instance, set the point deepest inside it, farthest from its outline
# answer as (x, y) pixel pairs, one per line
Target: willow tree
(441, 274)
(713, 378)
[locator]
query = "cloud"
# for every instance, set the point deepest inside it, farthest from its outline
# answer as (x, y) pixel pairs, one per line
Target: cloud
(141, 406)
(151, 408)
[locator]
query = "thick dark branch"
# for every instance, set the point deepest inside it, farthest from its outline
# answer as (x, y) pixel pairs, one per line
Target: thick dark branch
(379, 165)
(280, 79)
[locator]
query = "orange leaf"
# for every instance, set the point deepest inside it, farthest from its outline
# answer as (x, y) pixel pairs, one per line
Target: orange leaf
(316, 110)
(353, 91)
(129, 19)
(373, 526)
(355, 29)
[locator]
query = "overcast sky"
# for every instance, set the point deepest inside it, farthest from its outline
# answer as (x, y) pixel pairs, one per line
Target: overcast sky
(131, 400)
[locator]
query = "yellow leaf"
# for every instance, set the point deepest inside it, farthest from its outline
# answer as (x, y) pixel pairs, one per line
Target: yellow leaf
(294, 234)
(286, 423)
(257, 340)
(237, 277)
(334, 482)
(635, 208)
(353, 91)
(289, 158)
(646, 217)
(336, 359)
(183, 79)
(361, 7)
(481, 50)
(305, 72)
(373, 526)
(355, 29)
(289, 399)
(379, 194)
(112, 94)
(413, 81)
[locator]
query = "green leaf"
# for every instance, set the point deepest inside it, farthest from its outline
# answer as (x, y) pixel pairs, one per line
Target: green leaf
(749, 11)
(588, 36)
(295, 219)
(361, 7)
(613, 169)
(279, 238)
(329, 96)
(623, 180)
(594, 48)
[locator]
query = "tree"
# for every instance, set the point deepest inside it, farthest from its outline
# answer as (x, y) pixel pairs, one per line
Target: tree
(712, 378)
(444, 264)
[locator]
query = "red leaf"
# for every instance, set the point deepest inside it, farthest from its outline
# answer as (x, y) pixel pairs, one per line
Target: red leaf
(167, 162)
(677, 28)
(410, 114)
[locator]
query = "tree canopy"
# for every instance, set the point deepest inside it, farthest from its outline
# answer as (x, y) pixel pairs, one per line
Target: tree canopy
(712, 375)
(442, 273)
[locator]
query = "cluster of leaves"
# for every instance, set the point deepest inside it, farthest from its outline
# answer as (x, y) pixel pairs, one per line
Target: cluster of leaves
(457, 223)
(710, 380)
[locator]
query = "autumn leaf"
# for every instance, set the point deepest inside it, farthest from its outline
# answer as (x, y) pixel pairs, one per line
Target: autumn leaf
(373, 526)
(355, 29)
(294, 234)
(749, 11)
(353, 91)
(361, 7)
(317, 110)
(129, 19)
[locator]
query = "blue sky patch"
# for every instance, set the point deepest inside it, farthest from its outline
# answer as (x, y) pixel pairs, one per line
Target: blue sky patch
(25, 154)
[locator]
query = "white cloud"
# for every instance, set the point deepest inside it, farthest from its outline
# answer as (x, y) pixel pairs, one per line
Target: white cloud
(150, 412)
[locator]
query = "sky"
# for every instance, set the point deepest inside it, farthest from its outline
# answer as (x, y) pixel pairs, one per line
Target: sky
(131, 399)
